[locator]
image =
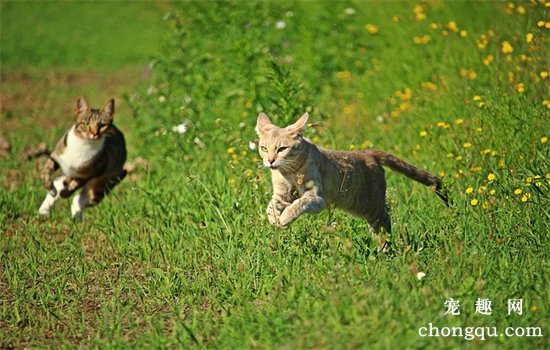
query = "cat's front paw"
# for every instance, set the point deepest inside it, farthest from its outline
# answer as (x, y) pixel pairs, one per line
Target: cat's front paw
(285, 219)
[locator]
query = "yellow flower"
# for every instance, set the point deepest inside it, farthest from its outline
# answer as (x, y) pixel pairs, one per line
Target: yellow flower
(395, 19)
(524, 198)
(491, 177)
(463, 33)
(472, 75)
(529, 37)
(546, 103)
(544, 139)
(467, 145)
(423, 133)
(231, 182)
(506, 47)
(541, 23)
(474, 202)
(452, 26)
(482, 189)
(469, 190)
(521, 10)
(485, 205)
(488, 60)
(544, 74)
(517, 191)
(459, 121)
(429, 86)
(491, 192)
(230, 150)
(422, 39)
(343, 75)
(520, 87)
(371, 28)
(458, 158)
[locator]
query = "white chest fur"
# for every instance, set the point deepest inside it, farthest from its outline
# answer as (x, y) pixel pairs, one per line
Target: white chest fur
(77, 153)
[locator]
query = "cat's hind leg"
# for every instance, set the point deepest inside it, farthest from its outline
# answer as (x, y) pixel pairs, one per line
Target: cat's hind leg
(49, 201)
(380, 223)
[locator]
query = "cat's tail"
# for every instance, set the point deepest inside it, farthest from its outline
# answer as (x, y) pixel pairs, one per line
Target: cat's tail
(409, 170)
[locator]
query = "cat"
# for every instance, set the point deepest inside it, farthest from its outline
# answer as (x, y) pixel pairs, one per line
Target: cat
(91, 155)
(306, 179)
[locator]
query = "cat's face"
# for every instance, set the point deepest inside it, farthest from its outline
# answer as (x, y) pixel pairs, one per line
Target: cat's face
(280, 148)
(92, 124)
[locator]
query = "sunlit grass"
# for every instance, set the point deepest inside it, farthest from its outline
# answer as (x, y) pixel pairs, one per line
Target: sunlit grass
(182, 253)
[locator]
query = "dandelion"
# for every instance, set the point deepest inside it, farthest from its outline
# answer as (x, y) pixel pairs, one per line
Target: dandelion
(422, 39)
(482, 189)
(230, 150)
(520, 88)
(423, 133)
(474, 202)
(538, 184)
(529, 37)
(524, 198)
(492, 192)
(487, 61)
(463, 33)
(452, 26)
(231, 182)
(343, 75)
(458, 158)
(506, 47)
(544, 139)
(467, 145)
(419, 13)
(518, 191)
(371, 28)
(521, 10)
(459, 121)
(546, 103)
(491, 177)
(434, 25)
(469, 190)
(541, 24)
(544, 74)
(429, 86)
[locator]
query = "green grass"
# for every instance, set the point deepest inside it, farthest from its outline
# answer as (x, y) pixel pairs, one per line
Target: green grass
(181, 253)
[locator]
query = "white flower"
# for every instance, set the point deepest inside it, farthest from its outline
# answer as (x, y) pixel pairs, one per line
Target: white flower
(242, 125)
(151, 90)
(162, 99)
(380, 118)
(252, 145)
(349, 11)
(420, 275)
(280, 24)
(180, 129)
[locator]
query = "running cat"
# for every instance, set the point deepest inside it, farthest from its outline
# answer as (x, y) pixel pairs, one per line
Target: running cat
(306, 179)
(91, 155)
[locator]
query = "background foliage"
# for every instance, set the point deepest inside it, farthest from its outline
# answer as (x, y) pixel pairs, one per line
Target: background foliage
(182, 254)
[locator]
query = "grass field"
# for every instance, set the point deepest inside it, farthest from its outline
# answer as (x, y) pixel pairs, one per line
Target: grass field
(181, 253)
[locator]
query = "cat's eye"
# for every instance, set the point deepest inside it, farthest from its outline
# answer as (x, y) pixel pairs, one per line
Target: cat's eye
(263, 148)
(281, 149)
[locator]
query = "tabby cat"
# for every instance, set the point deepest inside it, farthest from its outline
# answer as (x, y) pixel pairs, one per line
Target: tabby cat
(306, 178)
(91, 155)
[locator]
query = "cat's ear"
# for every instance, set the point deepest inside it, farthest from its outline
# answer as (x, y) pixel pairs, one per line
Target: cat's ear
(263, 123)
(109, 107)
(299, 127)
(81, 105)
